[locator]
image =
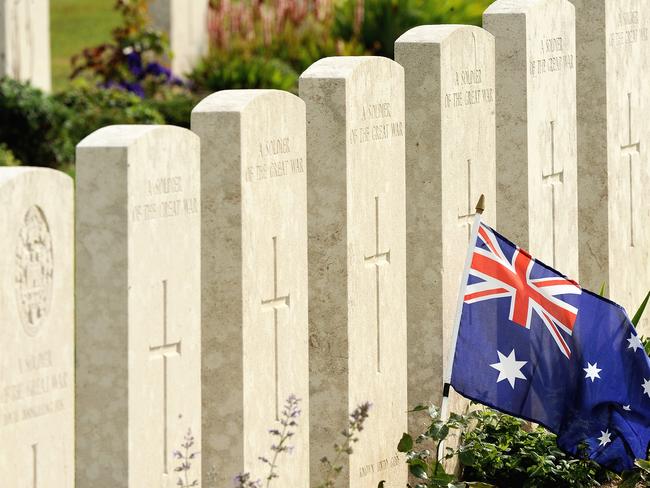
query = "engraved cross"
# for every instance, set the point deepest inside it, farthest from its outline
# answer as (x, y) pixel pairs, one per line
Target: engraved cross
(629, 149)
(275, 304)
(376, 261)
(165, 351)
(34, 465)
(553, 179)
(467, 219)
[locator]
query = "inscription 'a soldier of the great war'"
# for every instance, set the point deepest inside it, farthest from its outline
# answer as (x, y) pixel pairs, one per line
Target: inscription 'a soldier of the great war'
(34, 270)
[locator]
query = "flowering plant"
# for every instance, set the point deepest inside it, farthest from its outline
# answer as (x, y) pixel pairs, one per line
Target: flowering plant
(133, 61)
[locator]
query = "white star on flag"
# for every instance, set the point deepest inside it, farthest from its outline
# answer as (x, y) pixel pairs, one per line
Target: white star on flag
(592, 371)
(627, 408)
(605, 438)
(509, 368)
(635, 342)
(646, 387)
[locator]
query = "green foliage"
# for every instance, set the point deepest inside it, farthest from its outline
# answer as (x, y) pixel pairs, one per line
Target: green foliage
(639, 313)
(43, 130)
(267, 44)
(7, 157)
(220, 71)
(30, 124)
(175, 106)
(495, 450)
(378, 23)
(92, 108)
(505, 453)
(423, 454)
(639, 477)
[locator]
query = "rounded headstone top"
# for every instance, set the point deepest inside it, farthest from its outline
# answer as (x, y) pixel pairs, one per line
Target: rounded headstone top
(239, 100)
(519, 6)
(8, 174)
(436, 34)
(126, 135)
(343, 66)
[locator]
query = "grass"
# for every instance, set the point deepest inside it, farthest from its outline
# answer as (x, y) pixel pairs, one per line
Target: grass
(75, 25)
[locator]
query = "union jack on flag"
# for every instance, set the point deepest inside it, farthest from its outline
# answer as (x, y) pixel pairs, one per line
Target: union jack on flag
(533, 343)
(511, 277)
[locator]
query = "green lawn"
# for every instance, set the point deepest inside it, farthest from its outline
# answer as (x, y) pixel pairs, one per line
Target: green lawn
(75, 25)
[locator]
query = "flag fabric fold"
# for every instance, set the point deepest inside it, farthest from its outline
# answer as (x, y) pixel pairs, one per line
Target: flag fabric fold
(532, 343)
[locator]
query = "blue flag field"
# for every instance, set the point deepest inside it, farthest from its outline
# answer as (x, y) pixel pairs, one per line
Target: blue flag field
(534, 344)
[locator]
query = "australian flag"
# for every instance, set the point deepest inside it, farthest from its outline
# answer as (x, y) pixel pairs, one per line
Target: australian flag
(532, 343)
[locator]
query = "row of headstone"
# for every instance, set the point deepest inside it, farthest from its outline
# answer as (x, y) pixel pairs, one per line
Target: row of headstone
(283, 246)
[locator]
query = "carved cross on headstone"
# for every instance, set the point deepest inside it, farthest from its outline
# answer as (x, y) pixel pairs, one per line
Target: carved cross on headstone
(376, 261)
(553, 179)
(275, 304)
(34, 465)
(467, 219)
(165, 351)
(630, 149)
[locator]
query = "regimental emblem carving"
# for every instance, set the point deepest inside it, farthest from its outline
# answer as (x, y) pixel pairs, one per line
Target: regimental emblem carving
(34, 271)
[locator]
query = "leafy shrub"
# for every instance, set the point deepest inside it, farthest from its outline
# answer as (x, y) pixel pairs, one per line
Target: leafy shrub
(495, 450)
(92, 108)
(31, 124)
(175, 106)
(378, 23)
(424, 455)
(505, 453)
(220, 71)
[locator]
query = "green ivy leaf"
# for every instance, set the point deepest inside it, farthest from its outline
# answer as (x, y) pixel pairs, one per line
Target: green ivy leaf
(418, 469)
(643, 464)
(467, 458)
(639, 313)
(405, 443)
(419, 408)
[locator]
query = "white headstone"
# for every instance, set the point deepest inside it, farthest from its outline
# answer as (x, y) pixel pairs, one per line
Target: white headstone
(614, 170)
(450, 162)
(357, 261)
(37, 328)
(25, 41)
(186, 24)
(537, 203)
(254, 267)
(138, 305)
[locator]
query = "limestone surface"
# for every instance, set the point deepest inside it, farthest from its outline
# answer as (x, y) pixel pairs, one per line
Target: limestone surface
(37, 328)
(613, 171)
(186, 24)
(25, 41)
(138, 293)
(450, 162)
(254, 281)
(537, 203)
(357, 261)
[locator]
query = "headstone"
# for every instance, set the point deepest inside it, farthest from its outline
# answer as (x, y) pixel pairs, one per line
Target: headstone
(613, 166)
(138, 306)
(254, 267)
(186, 24)
(37, 328)
(537, 204)
(357, 261)
(450, 162)
(25, 41)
